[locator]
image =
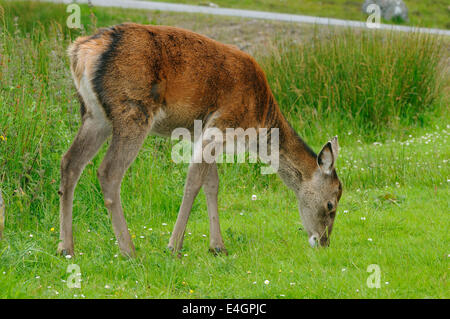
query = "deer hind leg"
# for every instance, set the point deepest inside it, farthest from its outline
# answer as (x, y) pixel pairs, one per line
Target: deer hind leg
(211, 189)
(91, 135)
(119, 157)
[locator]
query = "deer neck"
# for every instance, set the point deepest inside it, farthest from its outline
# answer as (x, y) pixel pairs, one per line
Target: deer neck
(297, 159)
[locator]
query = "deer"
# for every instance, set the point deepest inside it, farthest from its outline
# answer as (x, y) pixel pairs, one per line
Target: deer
(137, 80)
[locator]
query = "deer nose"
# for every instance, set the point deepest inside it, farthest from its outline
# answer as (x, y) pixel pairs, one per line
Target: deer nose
(313, 241)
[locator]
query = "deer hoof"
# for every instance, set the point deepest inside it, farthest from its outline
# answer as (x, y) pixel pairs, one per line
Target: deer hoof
(172, 251)
(64, 251)
(129, 253)
(218, 251)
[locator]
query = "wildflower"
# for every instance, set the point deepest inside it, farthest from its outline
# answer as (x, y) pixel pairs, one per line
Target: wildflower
(253, 197)
(369, 239)
(107, 287)
(266, 282)
(52, 229)
(133, 236)
(68, 256)
(343, 269)
(249, 272)
(3, 138)
(292, 283)
(164, 224)
(191, 291)
(387, 282)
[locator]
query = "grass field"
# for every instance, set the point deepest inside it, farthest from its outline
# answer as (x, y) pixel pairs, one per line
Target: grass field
(394, 166)
(423, 13)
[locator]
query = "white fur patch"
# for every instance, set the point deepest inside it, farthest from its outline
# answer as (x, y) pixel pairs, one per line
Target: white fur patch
(93, 107)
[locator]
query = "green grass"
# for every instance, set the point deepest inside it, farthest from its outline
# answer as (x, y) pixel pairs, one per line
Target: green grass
(423, 13)
(368, 83)
(396, 193)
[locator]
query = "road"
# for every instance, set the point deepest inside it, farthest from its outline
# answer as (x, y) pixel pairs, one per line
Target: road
(162, 6)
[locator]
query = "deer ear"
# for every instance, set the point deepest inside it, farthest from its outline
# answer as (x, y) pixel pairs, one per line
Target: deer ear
(328, 155)
(335, 147)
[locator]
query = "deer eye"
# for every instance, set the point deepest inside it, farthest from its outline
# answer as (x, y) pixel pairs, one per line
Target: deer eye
(330, 206)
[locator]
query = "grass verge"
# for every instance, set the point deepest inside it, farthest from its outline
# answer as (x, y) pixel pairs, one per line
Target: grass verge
(393, 211)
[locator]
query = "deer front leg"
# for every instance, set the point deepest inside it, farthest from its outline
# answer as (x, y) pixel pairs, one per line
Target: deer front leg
(194, 181)
(211, 189)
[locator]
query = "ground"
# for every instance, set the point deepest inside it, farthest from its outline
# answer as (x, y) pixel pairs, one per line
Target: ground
(393, 212)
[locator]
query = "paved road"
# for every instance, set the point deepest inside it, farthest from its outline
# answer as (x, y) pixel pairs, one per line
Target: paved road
(162, 6)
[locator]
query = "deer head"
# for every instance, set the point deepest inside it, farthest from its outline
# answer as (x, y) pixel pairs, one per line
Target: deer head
(318, 190)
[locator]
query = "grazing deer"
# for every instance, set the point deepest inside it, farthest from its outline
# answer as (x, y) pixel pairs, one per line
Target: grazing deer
(133, 80)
